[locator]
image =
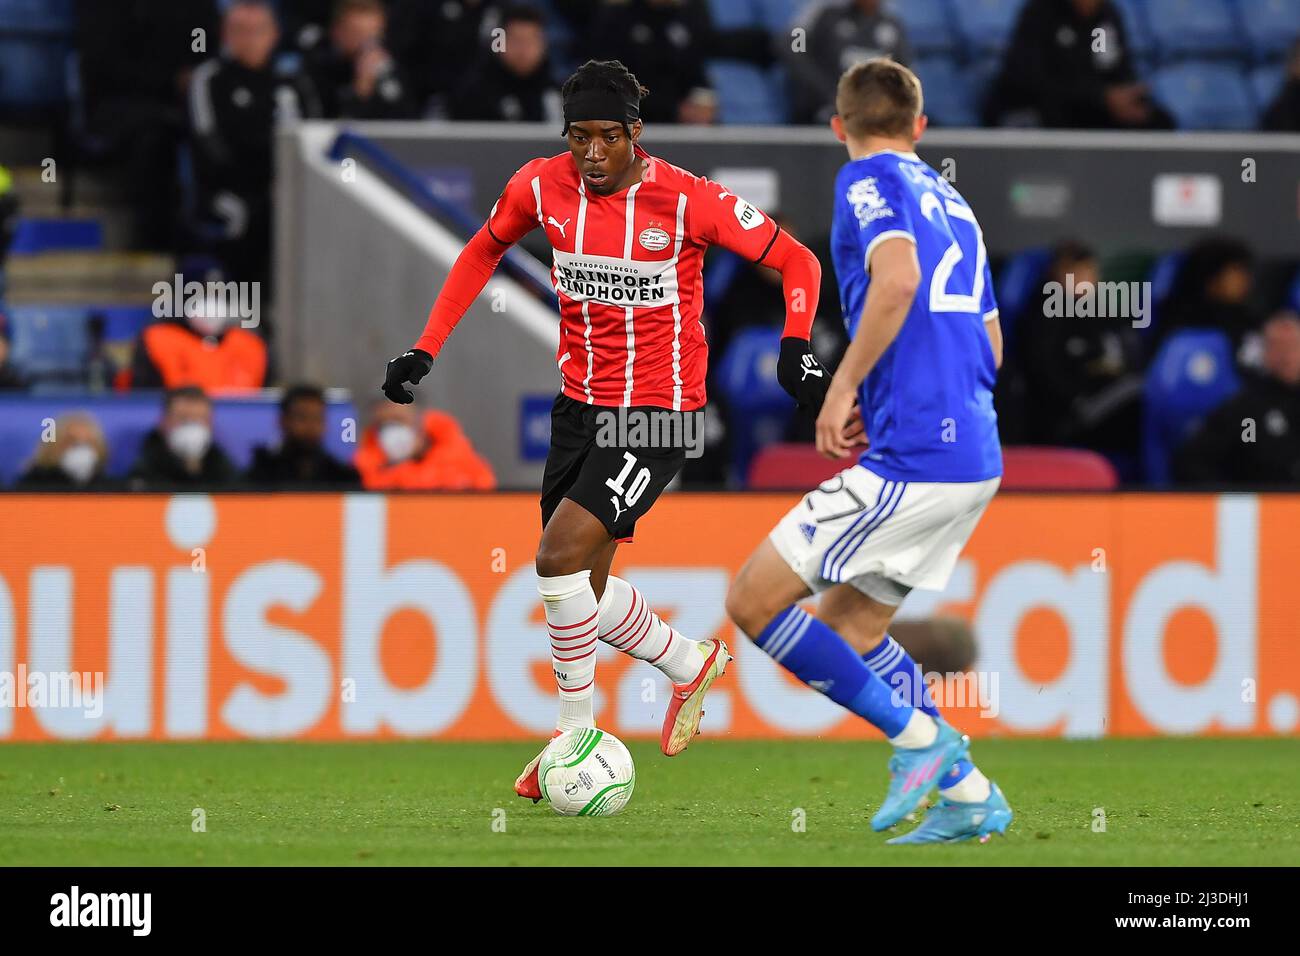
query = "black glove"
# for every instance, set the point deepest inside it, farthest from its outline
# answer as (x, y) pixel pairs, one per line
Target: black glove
(800, 374)
(408, 367)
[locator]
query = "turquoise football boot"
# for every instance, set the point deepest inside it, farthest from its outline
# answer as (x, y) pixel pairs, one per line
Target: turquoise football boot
(914, 772)
(951, 822)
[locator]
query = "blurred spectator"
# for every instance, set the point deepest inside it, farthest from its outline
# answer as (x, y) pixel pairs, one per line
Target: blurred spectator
(1213, 291)
(10, 377)
(1253, 437)
(1055, 74)
(301, 460)
(516, 84)
(407, 449)
(1083, 373)
(306, 24)
(135, 65)
(75, 459)
(355, 74)
(207, 347)
(1283, 115)
(180, 451)
(438, 44)
(236, 101)
(665, 43)
(836, 35)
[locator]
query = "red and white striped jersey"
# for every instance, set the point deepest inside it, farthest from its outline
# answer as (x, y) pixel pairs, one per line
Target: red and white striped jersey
(627, 270)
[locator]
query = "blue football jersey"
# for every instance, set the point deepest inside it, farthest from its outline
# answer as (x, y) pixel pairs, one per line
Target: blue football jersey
(928, 402)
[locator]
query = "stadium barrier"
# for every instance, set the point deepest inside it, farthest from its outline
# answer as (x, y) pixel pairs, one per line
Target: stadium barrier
(365, 616)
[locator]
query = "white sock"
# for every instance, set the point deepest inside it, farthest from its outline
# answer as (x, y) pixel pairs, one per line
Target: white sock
(628, 624)
(919, 732)
(972, 788)
(571, 623)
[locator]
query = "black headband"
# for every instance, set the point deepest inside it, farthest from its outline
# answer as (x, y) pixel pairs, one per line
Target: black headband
(601, 105)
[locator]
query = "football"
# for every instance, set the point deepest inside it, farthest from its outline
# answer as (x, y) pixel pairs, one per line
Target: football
(587, 773)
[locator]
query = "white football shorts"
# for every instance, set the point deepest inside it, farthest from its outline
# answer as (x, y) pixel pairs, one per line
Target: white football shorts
(883, 537)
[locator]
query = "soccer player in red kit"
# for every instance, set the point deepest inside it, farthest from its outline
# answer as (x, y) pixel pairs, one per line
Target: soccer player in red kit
(629, 233)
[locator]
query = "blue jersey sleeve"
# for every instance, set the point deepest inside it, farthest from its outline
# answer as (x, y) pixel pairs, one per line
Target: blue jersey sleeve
(882, 208)
(988, 302)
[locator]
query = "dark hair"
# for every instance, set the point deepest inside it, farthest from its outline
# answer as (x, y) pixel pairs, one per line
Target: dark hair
(1205, 260)
(604, 75)
(1068, 252)
(522, 12)
(298, 392)
(175, 395)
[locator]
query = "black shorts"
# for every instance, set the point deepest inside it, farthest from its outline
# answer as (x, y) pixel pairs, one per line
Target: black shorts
(606, 468)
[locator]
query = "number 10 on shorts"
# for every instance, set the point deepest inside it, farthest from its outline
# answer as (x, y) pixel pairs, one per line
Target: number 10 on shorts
(630, 495)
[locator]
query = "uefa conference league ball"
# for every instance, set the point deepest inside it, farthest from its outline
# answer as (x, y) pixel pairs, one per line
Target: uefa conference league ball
(586, 773)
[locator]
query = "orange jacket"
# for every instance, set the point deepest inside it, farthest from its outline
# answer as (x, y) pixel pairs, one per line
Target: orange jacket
(236, 364)
(449, 464)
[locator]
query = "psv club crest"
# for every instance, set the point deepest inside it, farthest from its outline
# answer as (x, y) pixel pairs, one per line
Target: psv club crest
(653, 238)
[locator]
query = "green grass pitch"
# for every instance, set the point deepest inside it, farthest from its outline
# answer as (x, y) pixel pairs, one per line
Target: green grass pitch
(1165, 802)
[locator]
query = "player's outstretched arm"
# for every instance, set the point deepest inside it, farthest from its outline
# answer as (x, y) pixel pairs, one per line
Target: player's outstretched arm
(798, 370)
(895, 277)
(469, 274)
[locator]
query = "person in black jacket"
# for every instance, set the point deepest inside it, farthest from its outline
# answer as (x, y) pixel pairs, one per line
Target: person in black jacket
(1082, 373)
(514, 84)
(180, 452)
(301, 461)
(236, 102)
(1068, 66)
(356, 75)
(1253, 437)
(1213, 290)
(136, 58)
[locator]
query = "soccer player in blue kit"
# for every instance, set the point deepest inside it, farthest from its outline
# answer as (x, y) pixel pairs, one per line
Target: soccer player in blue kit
(915, 386)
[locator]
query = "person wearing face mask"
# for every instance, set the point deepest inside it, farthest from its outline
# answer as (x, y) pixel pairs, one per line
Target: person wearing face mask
(206, 347)
(73, 461)
(301, 461)
(403, 448)
(180, 451)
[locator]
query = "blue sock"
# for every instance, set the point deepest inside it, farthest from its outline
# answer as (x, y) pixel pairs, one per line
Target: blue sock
(892, 664)
(823, 660)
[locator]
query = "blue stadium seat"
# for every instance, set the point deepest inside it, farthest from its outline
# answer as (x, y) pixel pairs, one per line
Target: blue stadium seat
(949, 98)
(1206, 96)
(1266, 83)
(38, 16)
(1017, 284)
(1270, 26)
(1140, 41)
(33, 72)
(987, 24)
(48, 340)
(747, 94)
(34, 236)
(1292, 300)
(759, 410)
(1194, 28)
(239, 425)
(1191, 375)
(929, 25)
(775, 15)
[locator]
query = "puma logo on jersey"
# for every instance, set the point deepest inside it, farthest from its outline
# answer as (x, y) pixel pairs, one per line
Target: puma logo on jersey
(810, 367)
(552, 221)
(617, 510)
